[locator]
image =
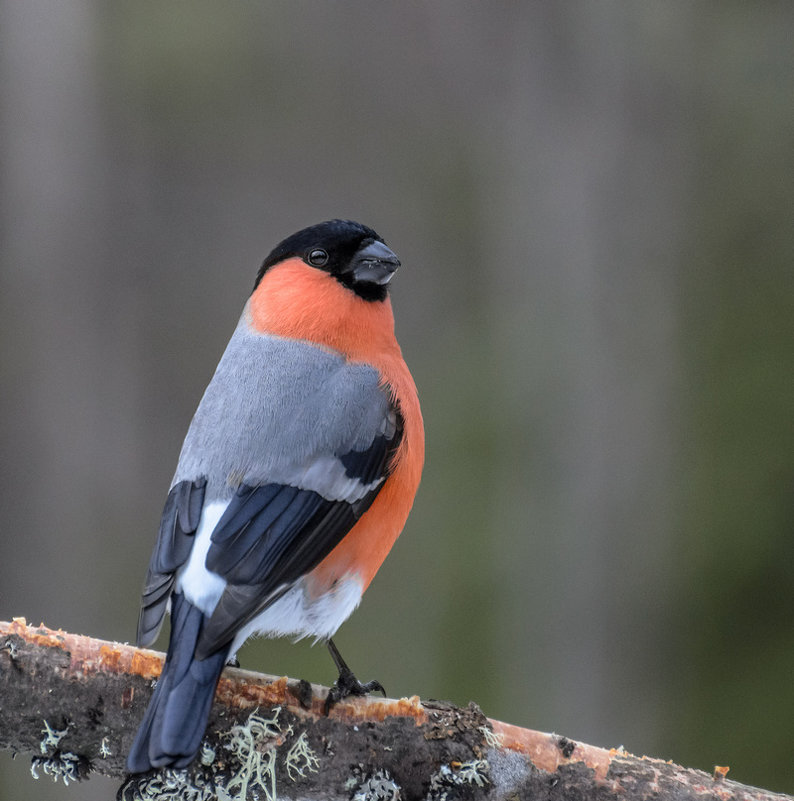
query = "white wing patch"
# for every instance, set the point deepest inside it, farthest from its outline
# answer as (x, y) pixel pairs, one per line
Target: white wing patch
(200, 586)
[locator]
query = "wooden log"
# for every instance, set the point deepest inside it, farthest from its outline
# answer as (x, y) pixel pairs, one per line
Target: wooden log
(73, 703)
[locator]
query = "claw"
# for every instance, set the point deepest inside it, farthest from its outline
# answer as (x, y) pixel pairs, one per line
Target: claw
(347, 684)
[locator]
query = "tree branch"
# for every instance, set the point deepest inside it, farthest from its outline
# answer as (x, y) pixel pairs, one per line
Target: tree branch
(74, 704)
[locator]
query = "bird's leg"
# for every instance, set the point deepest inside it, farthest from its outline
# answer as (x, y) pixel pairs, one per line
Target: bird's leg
(347, 683)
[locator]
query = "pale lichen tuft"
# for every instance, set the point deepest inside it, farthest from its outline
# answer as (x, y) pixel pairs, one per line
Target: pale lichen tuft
(457, 774)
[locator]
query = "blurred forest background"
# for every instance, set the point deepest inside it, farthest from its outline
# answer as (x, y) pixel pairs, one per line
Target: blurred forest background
(593, 203)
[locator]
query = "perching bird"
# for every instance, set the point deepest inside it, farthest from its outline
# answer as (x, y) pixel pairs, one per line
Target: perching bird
(296, 477)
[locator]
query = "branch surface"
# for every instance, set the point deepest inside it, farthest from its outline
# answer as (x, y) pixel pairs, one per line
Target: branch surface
(73, 703)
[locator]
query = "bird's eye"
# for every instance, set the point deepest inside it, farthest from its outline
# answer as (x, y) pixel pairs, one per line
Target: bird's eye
(318, 257)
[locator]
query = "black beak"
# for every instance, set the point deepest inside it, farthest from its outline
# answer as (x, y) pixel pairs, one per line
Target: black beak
(374, 264)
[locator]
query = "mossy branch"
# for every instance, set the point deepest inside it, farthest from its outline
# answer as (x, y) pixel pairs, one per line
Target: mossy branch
(73, 704)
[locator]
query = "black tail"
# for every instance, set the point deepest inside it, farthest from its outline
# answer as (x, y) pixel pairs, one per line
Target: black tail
(171, 731)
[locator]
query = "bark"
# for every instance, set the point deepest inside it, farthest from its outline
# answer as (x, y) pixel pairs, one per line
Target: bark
(73, 703)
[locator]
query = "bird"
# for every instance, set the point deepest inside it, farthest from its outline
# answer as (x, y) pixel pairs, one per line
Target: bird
(295, 478)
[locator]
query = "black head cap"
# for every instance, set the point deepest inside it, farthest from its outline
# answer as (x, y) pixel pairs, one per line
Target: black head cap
(351, 252)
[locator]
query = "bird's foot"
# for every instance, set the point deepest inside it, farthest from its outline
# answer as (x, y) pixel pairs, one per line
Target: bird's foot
(233, 662)
(347, 684)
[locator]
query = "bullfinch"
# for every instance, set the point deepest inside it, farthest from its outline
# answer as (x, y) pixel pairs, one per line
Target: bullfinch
(295, 478)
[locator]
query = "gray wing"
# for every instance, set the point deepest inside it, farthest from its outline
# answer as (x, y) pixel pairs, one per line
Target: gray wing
(298, 442)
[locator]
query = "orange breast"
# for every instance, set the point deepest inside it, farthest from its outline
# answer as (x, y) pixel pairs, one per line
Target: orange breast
(297, 301)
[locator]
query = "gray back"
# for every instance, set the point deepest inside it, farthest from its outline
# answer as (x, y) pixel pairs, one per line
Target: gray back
(277, 407)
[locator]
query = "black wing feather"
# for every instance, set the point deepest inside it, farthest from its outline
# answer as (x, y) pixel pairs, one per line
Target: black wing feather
(245, 544)
(178, 526)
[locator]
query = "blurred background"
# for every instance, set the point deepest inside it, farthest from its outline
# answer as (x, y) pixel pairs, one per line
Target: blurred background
(593, 206)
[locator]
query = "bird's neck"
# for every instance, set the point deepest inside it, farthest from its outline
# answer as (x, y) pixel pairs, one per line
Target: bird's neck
(296, 301)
